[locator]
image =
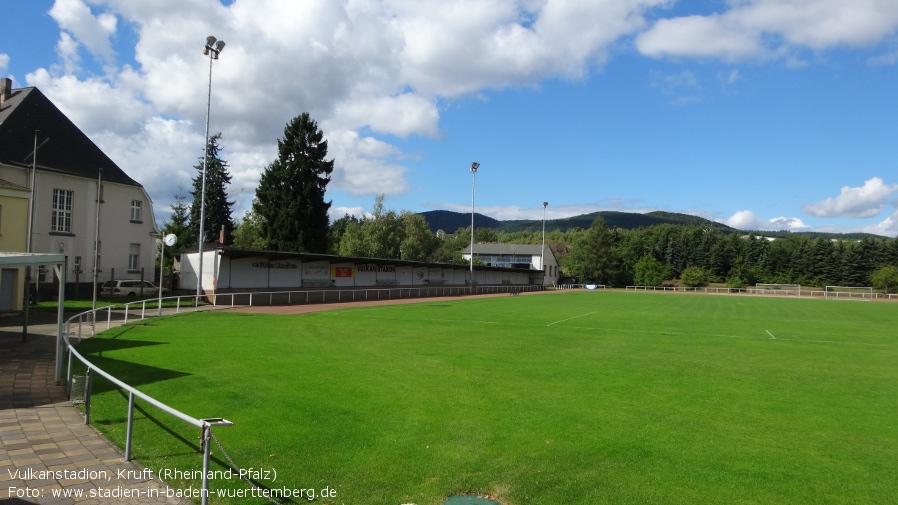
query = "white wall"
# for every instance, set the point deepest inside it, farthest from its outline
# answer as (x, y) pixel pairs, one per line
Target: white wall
(419, 276)
(386, 273)
(190, 265)
(260, 273)
(366, 274)
(116, 230)
(316, 271)
(405, 275)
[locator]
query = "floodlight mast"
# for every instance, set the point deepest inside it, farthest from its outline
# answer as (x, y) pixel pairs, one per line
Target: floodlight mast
(213, 53)
(542, 251)
(474, 167)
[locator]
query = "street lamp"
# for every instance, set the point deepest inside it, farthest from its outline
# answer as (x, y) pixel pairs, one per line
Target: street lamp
(213, 53)
(474, 167)
(542, 252)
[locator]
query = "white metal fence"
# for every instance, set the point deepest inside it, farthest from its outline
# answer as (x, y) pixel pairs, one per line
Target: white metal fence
(816, 293)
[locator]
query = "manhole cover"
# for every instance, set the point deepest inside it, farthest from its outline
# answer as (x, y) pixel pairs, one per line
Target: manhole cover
(469, 499)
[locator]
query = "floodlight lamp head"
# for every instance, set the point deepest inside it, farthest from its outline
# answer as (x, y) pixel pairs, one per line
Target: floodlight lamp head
(210, 40)
(475, 166)
(219, 45)
(545, 204)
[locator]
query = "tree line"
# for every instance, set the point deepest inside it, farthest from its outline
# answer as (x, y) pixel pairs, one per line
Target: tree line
(289, 213)
(697, 255)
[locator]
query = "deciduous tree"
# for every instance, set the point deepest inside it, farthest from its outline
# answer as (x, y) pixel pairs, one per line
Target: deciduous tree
(648, 271)
(885, 278)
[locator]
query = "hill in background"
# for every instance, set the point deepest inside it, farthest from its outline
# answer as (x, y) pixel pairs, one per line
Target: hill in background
(450, 221)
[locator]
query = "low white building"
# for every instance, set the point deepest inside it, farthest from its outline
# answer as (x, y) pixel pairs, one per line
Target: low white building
(528, 256)
(230, 269)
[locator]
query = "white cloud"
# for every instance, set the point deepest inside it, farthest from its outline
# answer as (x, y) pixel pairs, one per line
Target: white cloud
(786, 224)
(884, 60)
(748, 220)
(371, 70)
(887, 227)
(744, 220)
(95, 104)
(362, 69)
(771, 28)
(401, 115)
(75, 17)
(699, 36)
(336, 213)
(866, 201)
(4, 61)
(728, 78)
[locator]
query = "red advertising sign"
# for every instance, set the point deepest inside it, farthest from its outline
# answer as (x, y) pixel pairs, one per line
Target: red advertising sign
(343, 272)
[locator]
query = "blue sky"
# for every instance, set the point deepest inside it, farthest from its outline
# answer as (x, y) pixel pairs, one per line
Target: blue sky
(762, 114)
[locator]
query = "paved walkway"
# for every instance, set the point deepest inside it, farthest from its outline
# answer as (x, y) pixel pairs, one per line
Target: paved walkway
(47, 454)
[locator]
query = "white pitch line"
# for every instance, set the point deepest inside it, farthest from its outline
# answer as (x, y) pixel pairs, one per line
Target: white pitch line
(570, 318)
(771, 334)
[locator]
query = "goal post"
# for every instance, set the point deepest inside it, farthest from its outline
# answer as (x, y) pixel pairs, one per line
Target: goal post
(849, 293)
(778, 289)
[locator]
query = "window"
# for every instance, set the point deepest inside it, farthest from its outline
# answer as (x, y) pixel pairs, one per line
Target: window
(134, 257)
(135, 210)
(61, 217)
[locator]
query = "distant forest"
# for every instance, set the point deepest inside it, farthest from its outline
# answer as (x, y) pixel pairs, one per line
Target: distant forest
(613, 250)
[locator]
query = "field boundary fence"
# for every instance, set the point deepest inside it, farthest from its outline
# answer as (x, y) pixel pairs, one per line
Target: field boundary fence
(801, 293)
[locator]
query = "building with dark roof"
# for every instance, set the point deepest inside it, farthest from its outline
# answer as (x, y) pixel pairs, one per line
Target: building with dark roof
(63, 172)
(529, 256)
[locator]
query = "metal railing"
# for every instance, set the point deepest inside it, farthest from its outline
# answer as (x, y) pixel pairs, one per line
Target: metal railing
(816, 293)
(205, 425)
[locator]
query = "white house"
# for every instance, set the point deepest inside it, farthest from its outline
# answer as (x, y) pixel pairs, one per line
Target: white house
(517, 256)
(63, 172)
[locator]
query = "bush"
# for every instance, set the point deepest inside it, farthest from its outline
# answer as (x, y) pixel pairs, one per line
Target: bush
(694, 277)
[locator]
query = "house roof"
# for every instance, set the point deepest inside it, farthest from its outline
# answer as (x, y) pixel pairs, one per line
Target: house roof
(63, 148)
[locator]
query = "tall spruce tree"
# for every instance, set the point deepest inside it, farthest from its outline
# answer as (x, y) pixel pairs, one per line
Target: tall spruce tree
(290, 197)
(218, 210)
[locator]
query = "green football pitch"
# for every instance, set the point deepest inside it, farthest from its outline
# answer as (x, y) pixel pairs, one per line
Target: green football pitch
(563, 398)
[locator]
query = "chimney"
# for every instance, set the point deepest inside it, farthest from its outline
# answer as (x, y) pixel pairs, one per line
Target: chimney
(5, 89)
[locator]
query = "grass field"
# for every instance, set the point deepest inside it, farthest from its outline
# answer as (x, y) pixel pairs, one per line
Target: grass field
(572, 398)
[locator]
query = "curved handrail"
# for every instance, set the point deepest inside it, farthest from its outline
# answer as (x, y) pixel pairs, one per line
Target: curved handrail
(204, 424)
